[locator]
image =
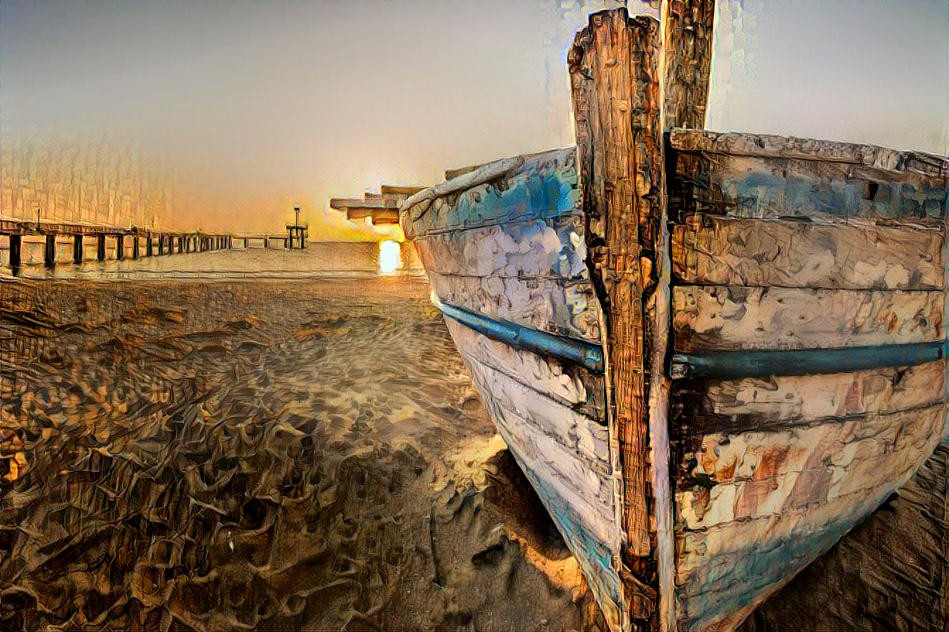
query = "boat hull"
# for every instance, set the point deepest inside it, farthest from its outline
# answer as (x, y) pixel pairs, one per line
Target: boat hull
(511, 252)
(769, 466)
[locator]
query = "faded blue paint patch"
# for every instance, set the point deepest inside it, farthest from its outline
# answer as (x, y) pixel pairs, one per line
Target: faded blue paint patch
(769, 194)
(742, 576)
(545, 187)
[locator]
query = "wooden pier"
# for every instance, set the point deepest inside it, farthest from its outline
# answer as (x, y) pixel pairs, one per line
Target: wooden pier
(132, 242)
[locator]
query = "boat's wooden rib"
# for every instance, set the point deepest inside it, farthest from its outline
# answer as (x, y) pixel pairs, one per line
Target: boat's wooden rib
(564, 308)
(714, 318)
(711, 250)
(705, 406)
(687, 61)
(566, 382)
(533, 248)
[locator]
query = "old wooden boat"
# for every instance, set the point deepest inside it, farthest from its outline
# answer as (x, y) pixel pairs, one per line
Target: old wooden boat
(711, 354)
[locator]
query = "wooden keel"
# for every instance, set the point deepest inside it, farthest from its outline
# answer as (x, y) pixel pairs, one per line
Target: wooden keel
(631, 82)
(614, 71)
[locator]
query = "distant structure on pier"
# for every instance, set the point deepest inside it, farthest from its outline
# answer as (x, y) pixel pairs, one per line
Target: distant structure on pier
(381, 208)
(297, 232)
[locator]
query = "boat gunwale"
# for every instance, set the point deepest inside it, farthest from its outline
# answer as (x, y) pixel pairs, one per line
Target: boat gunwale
(897, 162)
(476, 175)
(716, 365)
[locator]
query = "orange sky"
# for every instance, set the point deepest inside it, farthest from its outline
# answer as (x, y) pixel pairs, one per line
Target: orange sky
(254, 107)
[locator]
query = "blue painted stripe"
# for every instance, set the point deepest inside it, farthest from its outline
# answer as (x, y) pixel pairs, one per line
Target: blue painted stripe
(722, 365)
(727, 365)
(576, 351)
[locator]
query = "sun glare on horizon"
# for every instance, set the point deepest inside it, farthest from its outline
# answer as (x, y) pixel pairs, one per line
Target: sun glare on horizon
(390, 256)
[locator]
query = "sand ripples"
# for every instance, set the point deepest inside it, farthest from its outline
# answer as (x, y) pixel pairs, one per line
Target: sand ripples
(256, 455)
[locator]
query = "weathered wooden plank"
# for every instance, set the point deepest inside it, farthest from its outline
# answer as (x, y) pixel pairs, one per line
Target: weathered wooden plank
(712, 318)
(750, 475)
(741, 575)
(576, 432)
(471, 178)
(897, 163)
(568, 383)
(764, 187)
(586, 490)
(725, 565)
(709, 250)
(888, 574)
(565, 308)
(598, 560)
(615, 82)
(730, 406)
(533, 248)
(723, 568)
(539, 186)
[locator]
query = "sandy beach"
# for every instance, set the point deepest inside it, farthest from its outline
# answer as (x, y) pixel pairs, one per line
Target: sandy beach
(288, 455)
(269, 455)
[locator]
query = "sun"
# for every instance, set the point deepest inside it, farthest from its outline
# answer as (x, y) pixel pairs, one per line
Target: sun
(390, 256)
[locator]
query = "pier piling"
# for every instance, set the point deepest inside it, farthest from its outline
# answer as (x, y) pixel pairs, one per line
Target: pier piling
(167, 243)
(49, 255)
(15, 241)
(77, 248)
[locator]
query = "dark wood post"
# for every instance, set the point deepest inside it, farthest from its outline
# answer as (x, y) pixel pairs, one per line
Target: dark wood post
(135, 246)
(100, 246)
(15, 246)
(49, 256)
(148, 244)
(77, 248)
(632, 80)
(120, 247)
